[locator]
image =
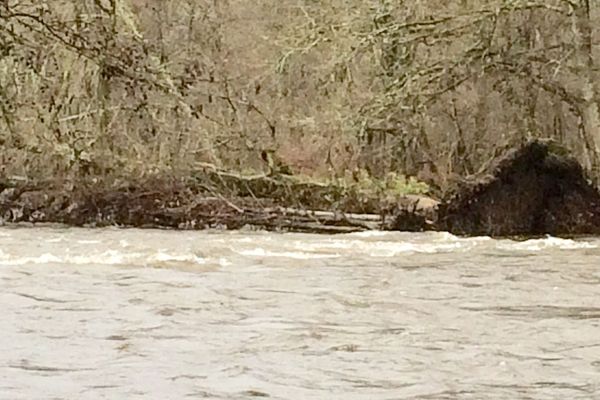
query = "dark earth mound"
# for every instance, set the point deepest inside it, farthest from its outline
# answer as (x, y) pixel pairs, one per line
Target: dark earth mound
(534, 190)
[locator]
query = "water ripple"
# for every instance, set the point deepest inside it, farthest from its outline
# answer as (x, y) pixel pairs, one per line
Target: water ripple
(139, 314)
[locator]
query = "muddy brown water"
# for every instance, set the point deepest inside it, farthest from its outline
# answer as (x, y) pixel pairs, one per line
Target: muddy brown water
(148, 314)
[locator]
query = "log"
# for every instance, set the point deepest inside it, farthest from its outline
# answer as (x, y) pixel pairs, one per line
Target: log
(313, 220)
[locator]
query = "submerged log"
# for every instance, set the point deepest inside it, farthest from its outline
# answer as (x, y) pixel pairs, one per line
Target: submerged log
(534, 190)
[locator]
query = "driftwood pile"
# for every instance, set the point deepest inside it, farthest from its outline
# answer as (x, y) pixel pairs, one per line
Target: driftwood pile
(210, 199)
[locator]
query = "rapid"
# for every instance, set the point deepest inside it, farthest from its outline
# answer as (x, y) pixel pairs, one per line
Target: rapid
(157, 314)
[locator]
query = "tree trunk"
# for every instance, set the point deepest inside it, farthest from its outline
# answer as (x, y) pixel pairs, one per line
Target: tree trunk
(590, 109)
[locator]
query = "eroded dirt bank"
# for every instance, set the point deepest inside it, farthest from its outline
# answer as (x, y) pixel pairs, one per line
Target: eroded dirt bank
(536, 189)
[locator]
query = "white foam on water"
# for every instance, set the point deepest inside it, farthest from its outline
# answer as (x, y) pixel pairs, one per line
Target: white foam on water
(7, 259)
(385, 248)
(299, 255)
(545, 243)
(163, 256)
(368, 234)
(223, 262)
(348, 244)
(449, 237)
(109, 257)
(391, 249)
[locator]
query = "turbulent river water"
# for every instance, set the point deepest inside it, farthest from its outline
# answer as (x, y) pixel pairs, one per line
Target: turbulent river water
(149, 314)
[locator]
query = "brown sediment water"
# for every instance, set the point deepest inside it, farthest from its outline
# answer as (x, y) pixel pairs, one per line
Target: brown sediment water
(139, 314)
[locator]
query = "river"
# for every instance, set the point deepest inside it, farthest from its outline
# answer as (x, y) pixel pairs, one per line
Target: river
(150, 314)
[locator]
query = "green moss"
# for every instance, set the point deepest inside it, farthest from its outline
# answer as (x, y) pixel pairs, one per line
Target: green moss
(557, 149)
(360, 192)
(392, 184)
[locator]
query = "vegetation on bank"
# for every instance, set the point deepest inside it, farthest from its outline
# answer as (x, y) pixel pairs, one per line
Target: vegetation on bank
(535, 189)
(216, 198)
(129, 89)
(196, 113)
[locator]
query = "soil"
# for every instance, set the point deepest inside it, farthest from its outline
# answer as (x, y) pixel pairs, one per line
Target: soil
(534, 190)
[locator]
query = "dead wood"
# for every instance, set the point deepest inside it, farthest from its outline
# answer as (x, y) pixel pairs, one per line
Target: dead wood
(211, 199)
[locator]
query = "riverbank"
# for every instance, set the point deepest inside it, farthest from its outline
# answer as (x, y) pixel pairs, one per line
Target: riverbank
(530, 191)
(214, 198)
(115, 115)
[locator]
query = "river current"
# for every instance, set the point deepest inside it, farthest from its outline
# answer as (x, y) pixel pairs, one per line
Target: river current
(150, 314)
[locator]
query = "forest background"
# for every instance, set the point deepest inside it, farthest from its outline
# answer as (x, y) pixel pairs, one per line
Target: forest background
(433, 89)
